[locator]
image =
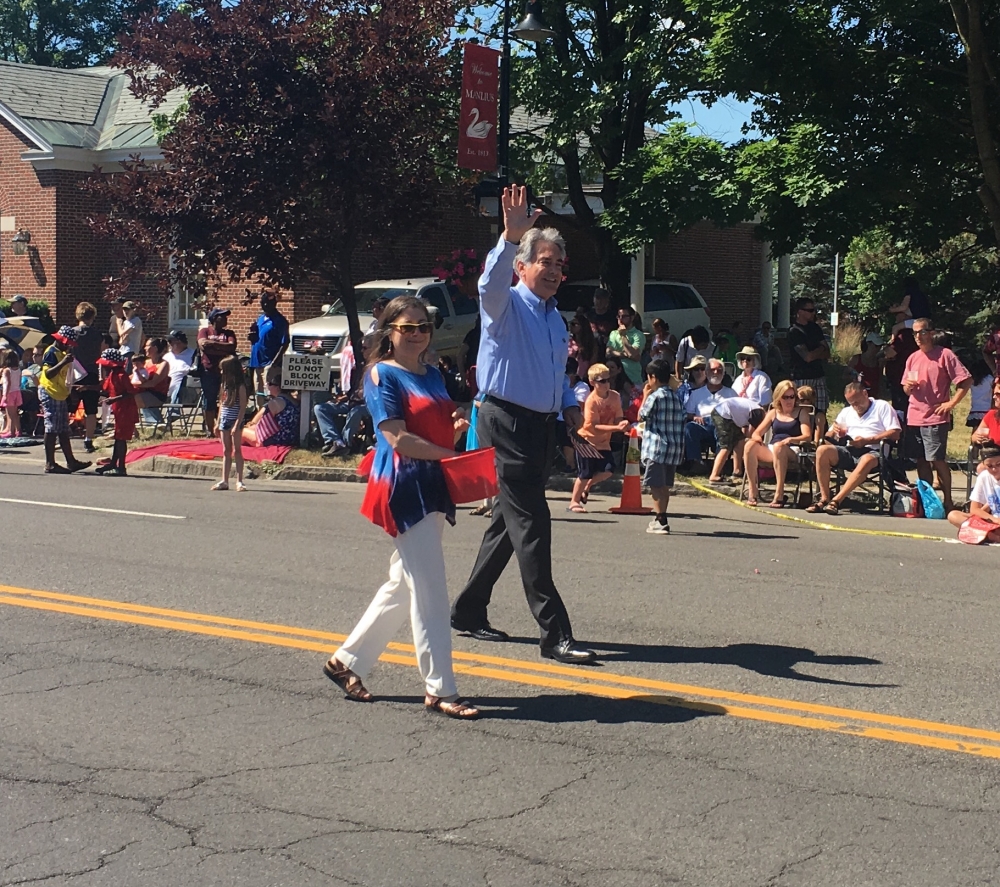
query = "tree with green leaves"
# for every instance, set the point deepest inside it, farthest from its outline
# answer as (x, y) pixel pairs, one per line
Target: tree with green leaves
(611, 72)
(67, 33)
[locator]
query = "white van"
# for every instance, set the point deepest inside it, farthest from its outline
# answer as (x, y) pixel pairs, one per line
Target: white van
(453, 312)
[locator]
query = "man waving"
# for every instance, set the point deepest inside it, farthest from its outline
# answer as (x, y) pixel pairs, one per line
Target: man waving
(522, 377)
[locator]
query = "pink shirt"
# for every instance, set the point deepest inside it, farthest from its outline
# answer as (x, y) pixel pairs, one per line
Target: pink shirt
(935, 372)
(600, 411)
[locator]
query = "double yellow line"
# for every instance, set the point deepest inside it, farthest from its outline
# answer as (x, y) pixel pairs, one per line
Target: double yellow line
(593, 682)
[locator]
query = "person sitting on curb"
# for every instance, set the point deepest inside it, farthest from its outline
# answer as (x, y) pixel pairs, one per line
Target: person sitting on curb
(984, 501)
(859, 432)
(699, 431)
(734, 419)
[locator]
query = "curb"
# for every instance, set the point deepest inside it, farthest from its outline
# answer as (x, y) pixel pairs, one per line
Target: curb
(169, 465)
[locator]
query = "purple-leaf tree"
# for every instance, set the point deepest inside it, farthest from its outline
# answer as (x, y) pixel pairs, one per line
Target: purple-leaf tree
(306, 133)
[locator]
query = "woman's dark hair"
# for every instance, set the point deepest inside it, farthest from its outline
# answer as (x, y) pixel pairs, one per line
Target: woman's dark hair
(618, 382)
(382, 348)
(980, 369)
(911, 287)
(989, 451)
(584, 338)
(11, 359)
(159, 344)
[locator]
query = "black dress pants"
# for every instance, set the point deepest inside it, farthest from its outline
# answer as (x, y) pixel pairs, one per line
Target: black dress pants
(525, 443)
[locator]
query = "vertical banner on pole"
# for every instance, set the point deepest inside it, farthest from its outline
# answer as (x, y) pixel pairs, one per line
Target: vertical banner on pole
(477, 125)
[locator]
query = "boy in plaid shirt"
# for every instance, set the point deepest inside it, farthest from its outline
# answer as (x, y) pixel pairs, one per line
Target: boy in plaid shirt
(662, 440)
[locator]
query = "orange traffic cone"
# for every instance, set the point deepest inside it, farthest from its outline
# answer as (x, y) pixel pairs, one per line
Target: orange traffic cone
(631, 501)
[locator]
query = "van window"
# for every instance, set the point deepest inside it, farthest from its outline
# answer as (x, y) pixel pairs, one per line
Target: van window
(460, 302)
(669, 297)
(435, 296)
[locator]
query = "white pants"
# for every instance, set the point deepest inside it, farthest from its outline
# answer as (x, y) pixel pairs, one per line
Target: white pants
(417, 578)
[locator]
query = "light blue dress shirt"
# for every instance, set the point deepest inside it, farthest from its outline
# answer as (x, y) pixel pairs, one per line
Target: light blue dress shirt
(524, 344)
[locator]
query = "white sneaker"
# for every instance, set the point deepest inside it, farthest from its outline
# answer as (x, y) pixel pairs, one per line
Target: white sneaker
(240, 487)
(655, 528)
(221, 485)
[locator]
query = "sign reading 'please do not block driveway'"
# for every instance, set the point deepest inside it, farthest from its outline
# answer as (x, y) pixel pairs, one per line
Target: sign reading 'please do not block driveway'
(305, 372)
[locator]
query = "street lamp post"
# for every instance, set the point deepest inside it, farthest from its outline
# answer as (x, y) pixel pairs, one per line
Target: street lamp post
(532, 29)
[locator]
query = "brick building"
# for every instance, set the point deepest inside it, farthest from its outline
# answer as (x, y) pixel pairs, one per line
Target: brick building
(57, 125)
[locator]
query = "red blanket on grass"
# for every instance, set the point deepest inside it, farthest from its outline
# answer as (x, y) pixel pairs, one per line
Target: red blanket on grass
(206, 448)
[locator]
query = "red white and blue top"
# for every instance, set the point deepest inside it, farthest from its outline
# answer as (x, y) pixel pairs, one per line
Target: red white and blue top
(402, 491)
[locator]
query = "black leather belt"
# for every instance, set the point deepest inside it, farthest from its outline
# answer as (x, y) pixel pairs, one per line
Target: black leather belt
(515, 409)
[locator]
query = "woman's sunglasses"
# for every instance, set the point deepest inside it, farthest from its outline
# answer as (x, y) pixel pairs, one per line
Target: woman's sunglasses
(425, 326)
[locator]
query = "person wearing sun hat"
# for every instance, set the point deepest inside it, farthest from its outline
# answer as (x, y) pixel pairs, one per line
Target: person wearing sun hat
(53, 390)
(120, 391)
(752, 383)
(215, 342)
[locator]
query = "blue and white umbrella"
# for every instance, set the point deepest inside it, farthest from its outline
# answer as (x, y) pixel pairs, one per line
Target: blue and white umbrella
(23, 333)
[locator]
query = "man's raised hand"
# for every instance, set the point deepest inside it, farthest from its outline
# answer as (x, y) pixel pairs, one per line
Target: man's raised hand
(517, 221)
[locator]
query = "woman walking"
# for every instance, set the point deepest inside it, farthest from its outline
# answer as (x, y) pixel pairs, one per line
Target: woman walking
(415, 424)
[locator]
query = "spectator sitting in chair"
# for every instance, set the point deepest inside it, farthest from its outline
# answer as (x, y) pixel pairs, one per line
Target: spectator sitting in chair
(858, 433)
(277, 422)
(699, 432)
(752, 383)
(352, 406)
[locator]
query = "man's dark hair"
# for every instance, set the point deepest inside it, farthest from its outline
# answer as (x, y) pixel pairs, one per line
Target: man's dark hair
(700, 337)
(601, 292)
(628, 309)
(659, 370)
(926, 321)
(755, 418)
(803, 302)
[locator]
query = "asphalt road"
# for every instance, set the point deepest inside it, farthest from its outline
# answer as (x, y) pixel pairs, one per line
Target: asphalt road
(830, 719)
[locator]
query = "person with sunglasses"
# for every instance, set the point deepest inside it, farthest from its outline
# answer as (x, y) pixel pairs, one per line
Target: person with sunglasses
(928, 377)
(523, 383)
(809, 350)
(416, 425)
(602, 417)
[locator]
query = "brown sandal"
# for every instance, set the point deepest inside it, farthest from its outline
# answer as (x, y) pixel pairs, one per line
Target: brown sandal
(818, 506)
(348, 681)
(461, 709)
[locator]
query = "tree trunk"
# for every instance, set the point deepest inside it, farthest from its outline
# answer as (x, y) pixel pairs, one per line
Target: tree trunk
(345, 284)
(969, 21)
(615, 268)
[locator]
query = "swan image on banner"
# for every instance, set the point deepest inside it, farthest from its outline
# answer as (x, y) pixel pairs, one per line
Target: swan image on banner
(478, 129)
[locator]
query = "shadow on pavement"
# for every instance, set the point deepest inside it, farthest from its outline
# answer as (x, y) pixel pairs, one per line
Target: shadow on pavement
(771, 660)
(561, 709)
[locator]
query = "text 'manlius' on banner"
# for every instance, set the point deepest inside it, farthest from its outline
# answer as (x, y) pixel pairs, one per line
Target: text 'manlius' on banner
(477, 130)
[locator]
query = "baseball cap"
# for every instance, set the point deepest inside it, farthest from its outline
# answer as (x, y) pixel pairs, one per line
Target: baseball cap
(19, 298)
(216, 313)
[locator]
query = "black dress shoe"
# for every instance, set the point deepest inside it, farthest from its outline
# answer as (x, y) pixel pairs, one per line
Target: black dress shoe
(485, 632)
(570, 652)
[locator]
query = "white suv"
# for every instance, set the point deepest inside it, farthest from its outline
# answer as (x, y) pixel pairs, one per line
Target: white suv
(679, 304)
(453, 312)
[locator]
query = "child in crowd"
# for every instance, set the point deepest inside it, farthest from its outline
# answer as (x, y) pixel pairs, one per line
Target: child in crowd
(662, 439)
(120, 393)
(807, 398)
(10, 393)
(233, 405)
(984, 501)
(602, 416)
(53, 391)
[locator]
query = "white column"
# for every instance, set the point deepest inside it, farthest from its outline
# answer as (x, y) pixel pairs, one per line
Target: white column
(766, 284)
(784, 291)
(638, 282)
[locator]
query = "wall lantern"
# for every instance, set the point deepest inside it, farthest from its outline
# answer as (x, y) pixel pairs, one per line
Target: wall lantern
(20, 242)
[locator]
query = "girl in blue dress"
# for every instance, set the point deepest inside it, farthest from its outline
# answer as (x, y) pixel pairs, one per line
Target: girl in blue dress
(416, 424)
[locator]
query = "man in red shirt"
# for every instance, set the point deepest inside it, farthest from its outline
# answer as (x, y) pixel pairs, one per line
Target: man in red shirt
(927, 379)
